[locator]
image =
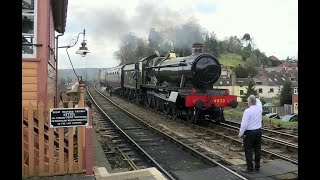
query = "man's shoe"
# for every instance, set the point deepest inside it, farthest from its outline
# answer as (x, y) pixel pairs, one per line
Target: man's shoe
(257, 169)
(247, 171)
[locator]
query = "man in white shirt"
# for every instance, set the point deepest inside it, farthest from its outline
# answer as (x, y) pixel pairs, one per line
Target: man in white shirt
(251, 132)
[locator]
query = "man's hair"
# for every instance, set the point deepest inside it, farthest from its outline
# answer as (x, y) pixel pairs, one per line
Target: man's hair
(252, 99)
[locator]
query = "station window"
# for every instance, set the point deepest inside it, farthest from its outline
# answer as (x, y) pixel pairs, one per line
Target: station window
(241, 92)
(260, 90)
(29, 28)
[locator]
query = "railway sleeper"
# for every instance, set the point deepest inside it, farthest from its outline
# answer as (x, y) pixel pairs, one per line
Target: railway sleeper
(125, 149)
(149, 144)
(145, 140)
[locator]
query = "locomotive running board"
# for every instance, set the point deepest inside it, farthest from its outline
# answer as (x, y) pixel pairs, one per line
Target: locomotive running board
(172, 98)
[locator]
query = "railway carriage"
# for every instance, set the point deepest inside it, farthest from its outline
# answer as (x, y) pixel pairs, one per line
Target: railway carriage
(102, 77)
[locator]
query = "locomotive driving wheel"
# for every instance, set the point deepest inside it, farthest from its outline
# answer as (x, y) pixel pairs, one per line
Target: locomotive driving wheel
(158, 103)
(192, 115)
(165, 107)
(174, 112)
(130, 95)
(134, 96)
(149, 100)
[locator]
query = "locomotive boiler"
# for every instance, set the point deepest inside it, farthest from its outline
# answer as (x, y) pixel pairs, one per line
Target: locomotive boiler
(198, 71)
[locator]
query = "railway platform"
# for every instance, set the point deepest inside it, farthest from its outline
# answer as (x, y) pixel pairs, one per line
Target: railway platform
(275, 169)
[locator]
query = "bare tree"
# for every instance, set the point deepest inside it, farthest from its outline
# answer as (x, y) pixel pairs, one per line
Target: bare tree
(132, 49)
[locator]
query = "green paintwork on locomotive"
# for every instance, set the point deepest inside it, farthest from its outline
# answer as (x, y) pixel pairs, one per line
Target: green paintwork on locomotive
(131, 75)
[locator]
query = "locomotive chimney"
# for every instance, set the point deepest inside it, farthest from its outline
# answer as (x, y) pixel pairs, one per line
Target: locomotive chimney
(197, 48)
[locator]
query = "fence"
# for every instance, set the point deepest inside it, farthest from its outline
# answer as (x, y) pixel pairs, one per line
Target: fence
(282, 111)
(50, 151)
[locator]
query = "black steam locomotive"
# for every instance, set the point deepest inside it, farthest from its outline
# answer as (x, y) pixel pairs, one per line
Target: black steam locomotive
(179, 86)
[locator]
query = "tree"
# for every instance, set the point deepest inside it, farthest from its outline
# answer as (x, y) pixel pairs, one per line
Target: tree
(252, 64)
(247, 38)
(250, 91)
(261, 57)
(263, 101)
(286, 94)
(241, 72)
(275, 63)
(211, 45)
(232, 45)
(132, 49)
(246, 52)
(252, 71)
(245, 55)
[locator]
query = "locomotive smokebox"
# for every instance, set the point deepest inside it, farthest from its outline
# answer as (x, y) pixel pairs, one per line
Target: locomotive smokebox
(197, 48)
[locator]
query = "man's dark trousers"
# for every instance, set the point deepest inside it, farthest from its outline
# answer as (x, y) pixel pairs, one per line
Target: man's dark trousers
(252, 141)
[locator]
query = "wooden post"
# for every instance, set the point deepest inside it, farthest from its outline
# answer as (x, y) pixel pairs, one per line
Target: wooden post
(70, 143)
(23, 170)
(61, 145)
(31, 139)
(51, 145)
(89, 146)
(81, 135)
(41, 137)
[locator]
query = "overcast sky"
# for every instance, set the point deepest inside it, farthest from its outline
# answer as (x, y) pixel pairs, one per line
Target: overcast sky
(273, 24)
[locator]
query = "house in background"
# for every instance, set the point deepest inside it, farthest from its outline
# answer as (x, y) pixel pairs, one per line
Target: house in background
(268, 81)
(285, 66)
(41, 19)
(295, 97)
(228, 80)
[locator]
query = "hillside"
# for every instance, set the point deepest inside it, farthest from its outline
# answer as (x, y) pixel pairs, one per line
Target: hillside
(92, 73)
(231, 60)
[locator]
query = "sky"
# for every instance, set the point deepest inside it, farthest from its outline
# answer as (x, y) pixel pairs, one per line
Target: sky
(273, 25)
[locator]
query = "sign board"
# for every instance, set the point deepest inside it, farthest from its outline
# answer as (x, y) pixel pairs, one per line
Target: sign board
(69, 117)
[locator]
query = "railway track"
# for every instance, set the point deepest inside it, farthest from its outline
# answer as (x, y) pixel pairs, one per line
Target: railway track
(134, 159)
(272, 147)
(169, 155)
(276, 139)
(271, 134)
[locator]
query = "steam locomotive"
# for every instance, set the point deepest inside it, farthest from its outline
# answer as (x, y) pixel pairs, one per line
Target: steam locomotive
(178, 86)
